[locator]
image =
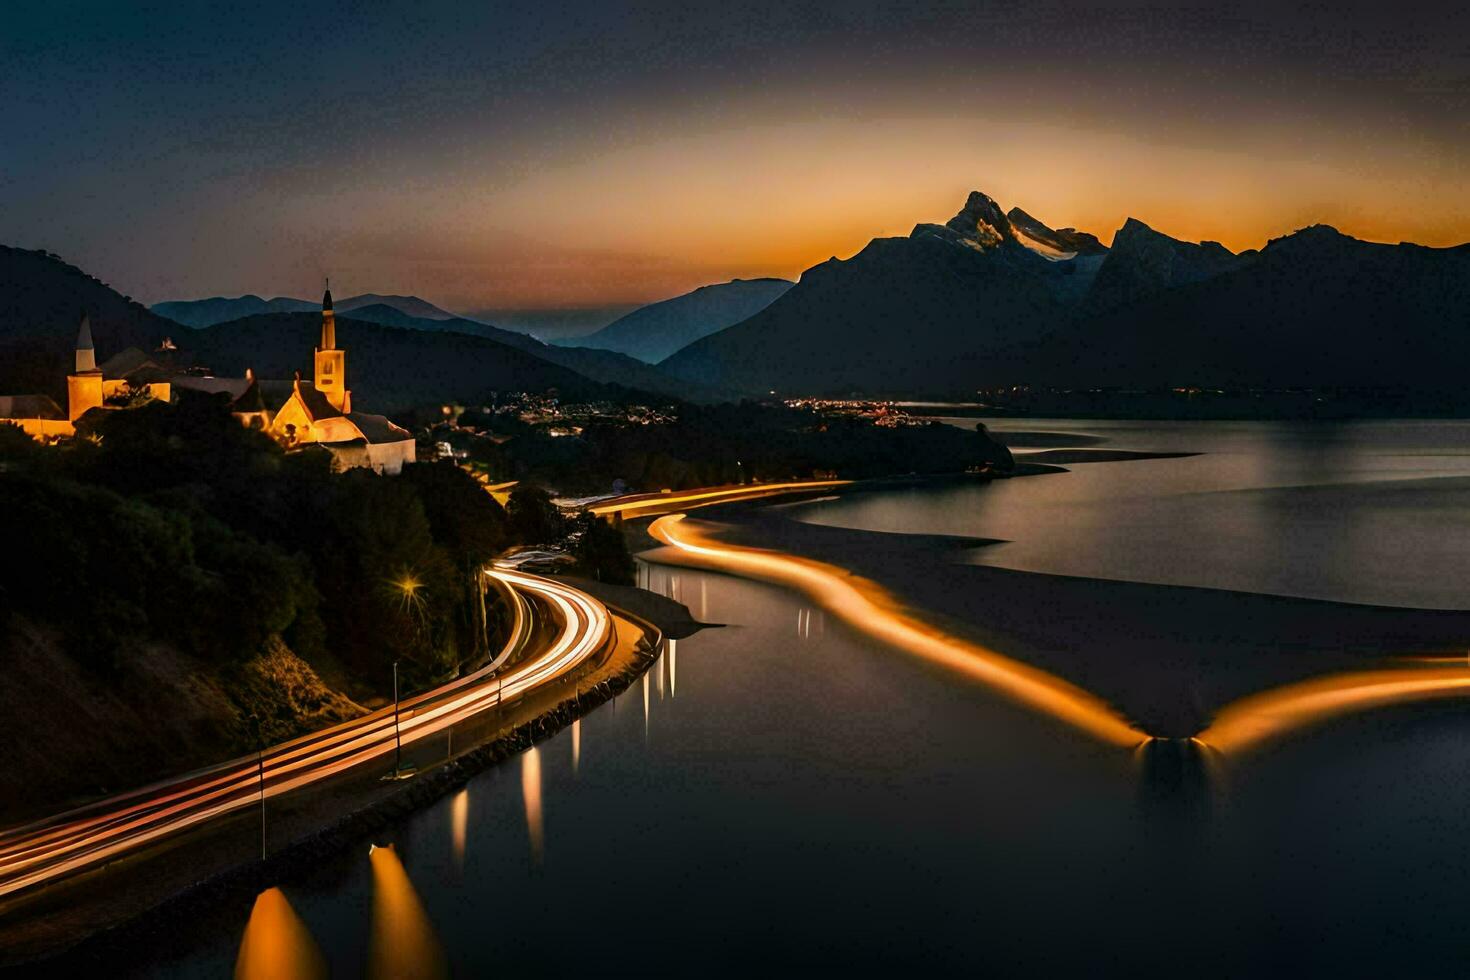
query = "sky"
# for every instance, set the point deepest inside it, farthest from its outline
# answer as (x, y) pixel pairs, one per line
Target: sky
(588, 156)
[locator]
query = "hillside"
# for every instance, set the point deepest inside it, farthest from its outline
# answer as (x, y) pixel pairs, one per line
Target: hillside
(389, 369)
(653, 332)
(1316, 308)
(220, 309)
(604, 366)
(41, 302)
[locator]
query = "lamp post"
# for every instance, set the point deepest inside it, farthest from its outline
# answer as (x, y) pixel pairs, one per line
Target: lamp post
(260, 770)
(397, 737)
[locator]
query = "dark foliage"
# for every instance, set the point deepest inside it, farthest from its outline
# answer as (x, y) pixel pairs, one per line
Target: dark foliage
(533, 518)
(602, 553)
(175, 523)
(712, 445)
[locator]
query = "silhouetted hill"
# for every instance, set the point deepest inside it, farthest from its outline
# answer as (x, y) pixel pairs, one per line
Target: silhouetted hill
(220, 309)
(410, 305)
(388, 369)
(41, 302)
(653, 332)
(606, 366)
(1143, 263)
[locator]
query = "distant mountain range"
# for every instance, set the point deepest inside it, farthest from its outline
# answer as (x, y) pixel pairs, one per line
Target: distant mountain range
(220, 309)
(994, 297)
(651, 333)
(604, 366)
(392, 366)
(989, 298)
(413, 313)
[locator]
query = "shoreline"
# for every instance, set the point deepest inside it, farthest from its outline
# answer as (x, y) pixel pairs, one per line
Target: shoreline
(1139, 646)
(36, 934)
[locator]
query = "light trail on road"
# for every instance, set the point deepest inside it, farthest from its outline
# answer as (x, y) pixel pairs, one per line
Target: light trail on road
(653, 504)
(78, 839)
(868, 607)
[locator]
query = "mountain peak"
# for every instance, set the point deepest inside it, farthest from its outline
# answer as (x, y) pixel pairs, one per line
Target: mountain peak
(1053, 242)
(982, 221)
(980, 224)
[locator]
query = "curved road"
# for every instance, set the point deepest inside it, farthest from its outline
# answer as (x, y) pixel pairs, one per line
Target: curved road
(78, 839)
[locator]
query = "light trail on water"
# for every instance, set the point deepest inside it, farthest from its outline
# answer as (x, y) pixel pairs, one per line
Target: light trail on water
(869, 608)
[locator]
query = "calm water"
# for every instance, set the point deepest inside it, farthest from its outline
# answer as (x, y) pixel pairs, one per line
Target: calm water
(785, 797)
(1371, 512)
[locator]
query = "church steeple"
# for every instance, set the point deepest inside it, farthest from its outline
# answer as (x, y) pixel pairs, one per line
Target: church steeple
(329, 320)
(331, 361)
(84, 385)
(86, 352)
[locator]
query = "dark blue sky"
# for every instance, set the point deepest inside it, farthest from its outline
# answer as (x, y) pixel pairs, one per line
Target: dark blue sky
(570, 154)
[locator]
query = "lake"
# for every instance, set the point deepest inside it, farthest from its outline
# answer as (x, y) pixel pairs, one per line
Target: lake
(786, 796)
(1369, 512)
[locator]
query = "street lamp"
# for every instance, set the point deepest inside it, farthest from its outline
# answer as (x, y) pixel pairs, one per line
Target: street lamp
(397, 736)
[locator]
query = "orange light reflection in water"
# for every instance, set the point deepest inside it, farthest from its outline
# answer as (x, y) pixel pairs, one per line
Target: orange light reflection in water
(531, 790)
(276, 944)
(403, 943)
(459, 817)
(1257, 717)
(866, 606)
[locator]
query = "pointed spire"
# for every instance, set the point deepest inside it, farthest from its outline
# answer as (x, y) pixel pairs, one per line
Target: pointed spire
(86, 358)
(327, 295)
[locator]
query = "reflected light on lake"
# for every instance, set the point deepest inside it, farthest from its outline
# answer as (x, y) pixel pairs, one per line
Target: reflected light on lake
(276, 944)
(673, 668)
(868, 607)
(576, 745)
(1253, 719)
(459, 817)
(403, 943)
(531, 791)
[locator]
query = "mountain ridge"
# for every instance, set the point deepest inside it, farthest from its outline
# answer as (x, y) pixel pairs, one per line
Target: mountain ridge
(655, 331)
(909, 317)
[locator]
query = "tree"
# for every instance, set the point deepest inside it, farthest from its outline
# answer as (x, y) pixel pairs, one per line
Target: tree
(602, 553)
(533, 518)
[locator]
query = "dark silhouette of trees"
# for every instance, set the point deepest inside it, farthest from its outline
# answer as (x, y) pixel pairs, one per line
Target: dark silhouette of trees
(533, 518)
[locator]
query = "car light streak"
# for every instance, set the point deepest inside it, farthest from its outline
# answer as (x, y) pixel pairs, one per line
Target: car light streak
(84, 837)
(649, 504)
(866, 606)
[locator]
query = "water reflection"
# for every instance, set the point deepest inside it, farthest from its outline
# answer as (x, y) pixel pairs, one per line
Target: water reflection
(1244, 723)
(576, 746)
(531, 792)
(1177, 778)
(673, 665)
(868, 607)
(459, 819)
(1323, 510)
(276, 944)
(402, 943)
